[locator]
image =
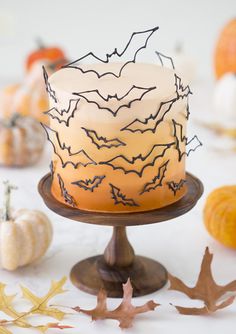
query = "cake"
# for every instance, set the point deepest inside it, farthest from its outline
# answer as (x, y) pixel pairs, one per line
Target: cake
(118, 135)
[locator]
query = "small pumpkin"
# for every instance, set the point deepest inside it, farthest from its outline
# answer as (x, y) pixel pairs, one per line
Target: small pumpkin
(28, 98)
(225, 52)
(52, 54)
(224, 98)
(220, 215)
(25, 235)
(22, 140)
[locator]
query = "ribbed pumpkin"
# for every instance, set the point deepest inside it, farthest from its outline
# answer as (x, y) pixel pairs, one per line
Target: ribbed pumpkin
(28, 98)
(225, 52)
(220, 215)
(24, 235)
(22, 141)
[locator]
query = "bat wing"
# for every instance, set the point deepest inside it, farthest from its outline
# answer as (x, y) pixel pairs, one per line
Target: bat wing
(102, 102)
(136, 43)
(64, 193)
(175, 186)
(101, 141)
(150, 123)
(138, 163)
(181, 90)
(74, 158)
(90, 184)
(165, 61)
(184, 145)
(120, 198)
(64, 115)
(50, 91)
(157, 180)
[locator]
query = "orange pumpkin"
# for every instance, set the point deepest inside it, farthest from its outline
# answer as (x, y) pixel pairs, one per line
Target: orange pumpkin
(220, 215)
(28, 98)
(225, 52)
(54, 55)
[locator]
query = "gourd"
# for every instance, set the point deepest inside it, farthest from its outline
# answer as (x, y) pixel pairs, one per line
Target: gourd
(224, 98)
(21, 141)
(29, 98)
(225, 52)
(220, 215)
(25, 235)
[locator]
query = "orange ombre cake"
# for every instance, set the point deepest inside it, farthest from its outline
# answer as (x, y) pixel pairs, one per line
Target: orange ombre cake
(118, 134)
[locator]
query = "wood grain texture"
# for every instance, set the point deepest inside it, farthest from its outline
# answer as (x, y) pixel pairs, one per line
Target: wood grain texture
(93, 273)
(185, 204)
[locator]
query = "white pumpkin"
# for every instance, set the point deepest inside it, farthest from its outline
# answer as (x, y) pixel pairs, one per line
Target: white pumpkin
(224, 98)
(24, 236)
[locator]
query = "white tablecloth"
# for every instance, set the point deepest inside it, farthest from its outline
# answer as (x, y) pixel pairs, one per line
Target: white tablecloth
(179, 244)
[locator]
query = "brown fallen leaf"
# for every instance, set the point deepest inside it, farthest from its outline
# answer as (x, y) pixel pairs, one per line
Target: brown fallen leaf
(205, 289)
(124, 313)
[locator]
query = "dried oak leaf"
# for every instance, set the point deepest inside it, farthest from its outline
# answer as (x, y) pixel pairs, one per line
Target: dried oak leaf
(40, 303)
(124, 313)
(205, 289)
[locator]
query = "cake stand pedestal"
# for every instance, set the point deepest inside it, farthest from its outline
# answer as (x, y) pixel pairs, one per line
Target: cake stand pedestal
(119, 262)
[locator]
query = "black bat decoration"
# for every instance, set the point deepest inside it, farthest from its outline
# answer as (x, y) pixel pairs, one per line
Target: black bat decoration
(130, 45)
(89, 184)
(88, 96)
(67, 197)
(175, 186)
(52, 169)
(50, 91)
(74, 158)
(182, 142)
(101, 141)
(123, 163)
(120, 198)
(163, 58)
(151, 122)
(51, 112)
(181, 91)
(157, 180)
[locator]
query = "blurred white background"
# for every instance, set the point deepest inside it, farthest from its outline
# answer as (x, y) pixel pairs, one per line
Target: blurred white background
(80, 26)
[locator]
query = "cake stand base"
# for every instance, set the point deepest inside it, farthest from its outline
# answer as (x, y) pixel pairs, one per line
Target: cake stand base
(91, 274)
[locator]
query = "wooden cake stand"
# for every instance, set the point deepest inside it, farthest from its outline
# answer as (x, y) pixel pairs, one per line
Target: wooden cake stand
(119, 261)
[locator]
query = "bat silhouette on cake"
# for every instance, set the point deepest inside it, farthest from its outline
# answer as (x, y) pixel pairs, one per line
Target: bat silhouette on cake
(64, 193)
(141, 38)
(151, 122)
(163, 58)
(77, 158)
(49, 89)
(69, 112)
(102, 102)
(157, 180)
(90, 184)
(52, 169)
(184, 145)
(181, 90)
(127, 165)
(120, 198)
(175, 186)
(101, 141)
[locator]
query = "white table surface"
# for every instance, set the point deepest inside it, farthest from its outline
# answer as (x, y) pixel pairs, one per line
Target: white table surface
(178, 244)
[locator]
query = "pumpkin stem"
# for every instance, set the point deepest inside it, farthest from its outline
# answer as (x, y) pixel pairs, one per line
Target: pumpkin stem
(6, 215)
(40, 43)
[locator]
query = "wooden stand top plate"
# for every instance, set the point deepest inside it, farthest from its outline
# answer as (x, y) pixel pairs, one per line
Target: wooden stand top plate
(185, 204)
